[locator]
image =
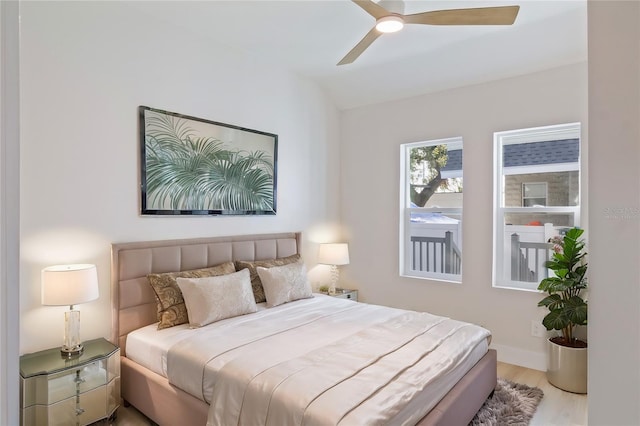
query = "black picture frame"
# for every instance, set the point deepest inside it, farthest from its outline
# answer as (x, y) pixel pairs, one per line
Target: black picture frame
(194, 166)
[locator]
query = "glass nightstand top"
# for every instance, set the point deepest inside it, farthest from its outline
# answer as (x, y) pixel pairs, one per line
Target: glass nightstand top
(50, 360)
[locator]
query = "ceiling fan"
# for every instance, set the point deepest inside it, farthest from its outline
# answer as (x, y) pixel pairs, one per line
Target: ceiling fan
(392, 19)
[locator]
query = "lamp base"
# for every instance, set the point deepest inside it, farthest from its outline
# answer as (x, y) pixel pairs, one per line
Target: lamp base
(71, 352)
(72, 345)
(335, 276)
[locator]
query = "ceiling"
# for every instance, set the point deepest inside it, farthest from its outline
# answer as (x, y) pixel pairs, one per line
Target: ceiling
(311, 36)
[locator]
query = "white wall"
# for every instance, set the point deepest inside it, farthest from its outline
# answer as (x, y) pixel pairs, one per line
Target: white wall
(371, 137)
(614, 183)
(85, 68)
(9, 212)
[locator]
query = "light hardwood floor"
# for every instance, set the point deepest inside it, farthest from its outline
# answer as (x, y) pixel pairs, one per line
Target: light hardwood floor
(558, 408)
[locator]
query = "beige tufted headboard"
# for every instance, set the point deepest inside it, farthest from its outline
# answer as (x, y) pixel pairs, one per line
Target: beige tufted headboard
(133, 303)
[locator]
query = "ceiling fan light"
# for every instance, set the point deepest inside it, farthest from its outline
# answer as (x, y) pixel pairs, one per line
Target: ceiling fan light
(389, 24)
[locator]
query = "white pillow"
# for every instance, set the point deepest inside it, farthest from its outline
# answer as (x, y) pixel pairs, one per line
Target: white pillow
(285, 283)
(212, 299)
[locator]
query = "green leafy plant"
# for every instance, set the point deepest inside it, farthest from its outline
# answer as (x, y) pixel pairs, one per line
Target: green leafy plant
(186, 171)
(567, 309)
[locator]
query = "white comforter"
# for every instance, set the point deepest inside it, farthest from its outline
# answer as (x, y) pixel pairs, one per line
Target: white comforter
(320, 361)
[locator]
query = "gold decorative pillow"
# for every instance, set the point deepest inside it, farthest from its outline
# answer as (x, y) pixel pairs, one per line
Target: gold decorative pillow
(256, 284)
(171, 308)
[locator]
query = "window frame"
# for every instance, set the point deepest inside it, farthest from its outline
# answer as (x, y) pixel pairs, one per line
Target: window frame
(535, 134)
(405, 253)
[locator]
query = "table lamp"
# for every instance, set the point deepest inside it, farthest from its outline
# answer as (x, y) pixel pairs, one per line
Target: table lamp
(70, 285)
(334, 254)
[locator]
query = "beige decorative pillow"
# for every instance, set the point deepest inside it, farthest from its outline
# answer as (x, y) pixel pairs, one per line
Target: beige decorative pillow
(213, 299)
(171, 308)
(256, 284)
(285, 283)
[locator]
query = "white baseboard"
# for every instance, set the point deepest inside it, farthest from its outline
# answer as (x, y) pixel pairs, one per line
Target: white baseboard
(515, 356)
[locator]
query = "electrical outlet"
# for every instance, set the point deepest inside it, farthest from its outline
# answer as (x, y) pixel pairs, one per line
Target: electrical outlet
(537, 329)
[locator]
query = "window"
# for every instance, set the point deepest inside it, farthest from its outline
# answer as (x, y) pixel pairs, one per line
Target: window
(537, 196)
(431, 209)
(534, 194)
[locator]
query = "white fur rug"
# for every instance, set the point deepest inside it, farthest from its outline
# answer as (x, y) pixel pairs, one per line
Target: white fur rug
(511, 404)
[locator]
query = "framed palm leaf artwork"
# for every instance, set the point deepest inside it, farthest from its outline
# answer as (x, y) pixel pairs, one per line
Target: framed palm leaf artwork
(193, 166)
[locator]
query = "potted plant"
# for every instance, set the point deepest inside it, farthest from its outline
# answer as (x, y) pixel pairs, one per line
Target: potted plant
(567, 361)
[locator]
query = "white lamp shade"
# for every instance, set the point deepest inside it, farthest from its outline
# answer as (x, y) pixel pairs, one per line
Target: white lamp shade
(334, 254)
(69, 284)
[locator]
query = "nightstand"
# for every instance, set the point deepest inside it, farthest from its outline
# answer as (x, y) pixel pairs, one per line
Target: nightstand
(345, 293)
(55, 390)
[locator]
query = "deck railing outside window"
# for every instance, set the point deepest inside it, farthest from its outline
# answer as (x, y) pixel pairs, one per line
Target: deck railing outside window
(436, 254)
(528, 259)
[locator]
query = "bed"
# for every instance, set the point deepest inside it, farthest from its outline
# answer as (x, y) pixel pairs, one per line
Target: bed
(335, 336)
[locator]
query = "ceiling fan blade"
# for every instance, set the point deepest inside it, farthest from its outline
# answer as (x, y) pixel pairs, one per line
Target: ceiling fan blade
(373, 9)
(503, 15)
(360, 47)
